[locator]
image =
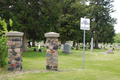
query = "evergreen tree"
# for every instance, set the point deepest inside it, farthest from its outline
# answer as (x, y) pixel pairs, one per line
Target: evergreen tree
(100, 10)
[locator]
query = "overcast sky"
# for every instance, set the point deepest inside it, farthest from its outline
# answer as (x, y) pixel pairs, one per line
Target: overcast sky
(116, 14)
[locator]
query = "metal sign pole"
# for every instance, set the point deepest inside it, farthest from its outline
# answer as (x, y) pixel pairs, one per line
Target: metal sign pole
(84, 45)
(84, 49)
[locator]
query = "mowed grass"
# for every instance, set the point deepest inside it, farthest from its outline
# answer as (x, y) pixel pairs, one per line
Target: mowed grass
(70, 66)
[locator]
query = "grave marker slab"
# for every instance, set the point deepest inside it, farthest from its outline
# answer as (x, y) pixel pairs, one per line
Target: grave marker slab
(67, 48)
(110, 51)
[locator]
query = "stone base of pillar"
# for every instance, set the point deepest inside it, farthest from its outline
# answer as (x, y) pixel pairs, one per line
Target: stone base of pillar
(52, 51)
(14, 50)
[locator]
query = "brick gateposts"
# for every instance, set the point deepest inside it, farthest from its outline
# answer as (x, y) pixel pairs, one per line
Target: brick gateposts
(14, 50)
(52, 50)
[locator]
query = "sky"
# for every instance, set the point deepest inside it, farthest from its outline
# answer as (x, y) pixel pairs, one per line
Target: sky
(116, 14)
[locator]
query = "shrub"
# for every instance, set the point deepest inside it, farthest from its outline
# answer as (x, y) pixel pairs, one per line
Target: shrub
(3, 42)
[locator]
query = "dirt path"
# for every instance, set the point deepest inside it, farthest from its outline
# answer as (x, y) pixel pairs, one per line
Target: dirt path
(8, 75)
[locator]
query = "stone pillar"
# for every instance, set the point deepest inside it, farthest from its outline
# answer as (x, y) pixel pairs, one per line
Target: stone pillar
(14, 50)
(52, 50)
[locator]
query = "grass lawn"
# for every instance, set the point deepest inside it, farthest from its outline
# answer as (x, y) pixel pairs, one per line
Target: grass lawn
(70, 66)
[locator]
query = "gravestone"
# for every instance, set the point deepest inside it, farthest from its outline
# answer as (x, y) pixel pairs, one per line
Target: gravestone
(86, 47)
(110, 51)
(94, 44)
(67, 48)
(35, 49)
(62, 46)
(14, 50)
(115, 47)
(119, 46)
(110, 46)
(103, 46)
(52, 51)
(78, 46)
(40, 50)
(38, 45)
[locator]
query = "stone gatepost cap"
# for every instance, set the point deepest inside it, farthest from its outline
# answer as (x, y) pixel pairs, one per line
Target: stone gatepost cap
(14, 34)
(51, 34)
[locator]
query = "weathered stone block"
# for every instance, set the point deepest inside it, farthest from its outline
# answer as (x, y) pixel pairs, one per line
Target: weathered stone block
(48, 51)
(9, 62)
(48, 67)
(10, 55)
(17, 42)
(17, 69)
(47, 54)
(14, 53)
(18, 62)
(17, 50)
(10, 43)
(55, 47)
(55, 58)
(9, 65)
(56, 40)
(10, 68)
(55, 62)
(48, 62)
(16, 39)
(13, 62)
(9, 38)
(13, 65)
(55, 55)
(48, 58)
(17, 59)
(13, 47)
(52, 51)
(9, 50)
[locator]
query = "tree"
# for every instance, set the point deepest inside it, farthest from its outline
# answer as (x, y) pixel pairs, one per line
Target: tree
(69, 21)
(100, 10)
(3, 42)
(117, 38)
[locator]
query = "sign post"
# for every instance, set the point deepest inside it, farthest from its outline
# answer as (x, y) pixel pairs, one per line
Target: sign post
(85, 25)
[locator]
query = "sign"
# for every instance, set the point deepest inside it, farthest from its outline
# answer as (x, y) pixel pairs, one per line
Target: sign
(85, 24)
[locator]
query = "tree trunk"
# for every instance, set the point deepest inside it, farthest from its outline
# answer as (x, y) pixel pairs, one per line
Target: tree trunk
(63, 41)
(77, 47)
(73, 43)
(1, 65)
(96, 43)
(24, 42)
(44, 42)
(33, 43)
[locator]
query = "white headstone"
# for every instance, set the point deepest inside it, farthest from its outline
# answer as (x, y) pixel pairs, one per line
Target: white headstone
(38, 45)
(62, 46)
